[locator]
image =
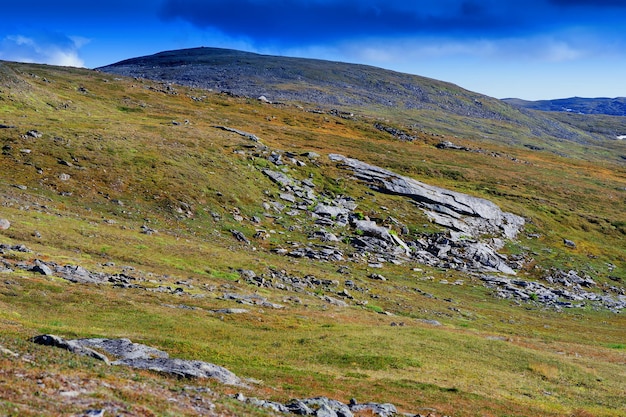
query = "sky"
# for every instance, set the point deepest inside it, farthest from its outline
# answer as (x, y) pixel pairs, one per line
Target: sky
(531, 49)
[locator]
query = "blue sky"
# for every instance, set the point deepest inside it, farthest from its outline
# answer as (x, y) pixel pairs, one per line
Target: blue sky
(532, 49)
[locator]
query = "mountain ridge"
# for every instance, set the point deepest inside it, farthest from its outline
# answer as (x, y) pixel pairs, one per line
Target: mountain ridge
(578, 105)
(353, 86)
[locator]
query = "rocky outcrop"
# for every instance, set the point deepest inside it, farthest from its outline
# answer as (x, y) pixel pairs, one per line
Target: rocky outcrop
(467, 218)
(563, 290)
(140, 356)
(473, 216)
(323, 407)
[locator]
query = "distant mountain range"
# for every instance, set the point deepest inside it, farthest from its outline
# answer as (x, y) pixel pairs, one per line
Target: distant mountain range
(578, 105)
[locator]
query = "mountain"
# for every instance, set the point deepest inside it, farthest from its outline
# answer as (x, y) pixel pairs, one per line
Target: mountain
(170, 250)
(349, 86)
(608, 106)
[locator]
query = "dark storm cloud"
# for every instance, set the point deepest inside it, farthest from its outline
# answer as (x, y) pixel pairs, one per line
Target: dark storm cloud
(295, 21)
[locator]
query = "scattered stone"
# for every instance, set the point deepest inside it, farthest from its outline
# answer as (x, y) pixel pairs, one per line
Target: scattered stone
(570, 295)
(377, 277)
(569, 243)
(247, 135)
(146, 230)
(94, 413)
(34, 134)
(4, 224)
(310, 155)
(240, 236)
(230, 311)
(64, 177)
(450, 145)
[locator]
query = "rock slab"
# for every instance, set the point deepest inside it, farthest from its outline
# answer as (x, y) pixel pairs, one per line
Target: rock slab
(139, 356)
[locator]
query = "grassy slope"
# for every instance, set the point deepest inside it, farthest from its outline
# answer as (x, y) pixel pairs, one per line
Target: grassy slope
(490, 357)
(427, 104)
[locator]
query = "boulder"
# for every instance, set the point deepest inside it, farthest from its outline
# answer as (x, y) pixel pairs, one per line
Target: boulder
(141, 356)
(41, 268)
(4, 224)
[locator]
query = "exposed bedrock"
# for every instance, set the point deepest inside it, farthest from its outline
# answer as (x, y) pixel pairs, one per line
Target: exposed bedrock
(473, 216)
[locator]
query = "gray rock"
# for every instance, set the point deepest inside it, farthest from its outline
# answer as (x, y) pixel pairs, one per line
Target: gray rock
(377, 277)
(141, 356)
(41, 268)
(325, 411)
(324, 236)
(183, 368)
(240, 236)
(4, 224)
(322, 406)
(247, 135)
(122, 349)
(70, 345)
(569, 243)
(279, 177)
(310, 155)
(299, 408)
(382, 410)
(330, 211)
(288, 197)
(94, 413)
(276, 159)
(230, 311)
(34, 134)
(78, 274)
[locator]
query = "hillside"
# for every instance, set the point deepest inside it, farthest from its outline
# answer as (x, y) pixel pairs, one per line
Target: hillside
(577, 105)
(425, 104)
(296, 258)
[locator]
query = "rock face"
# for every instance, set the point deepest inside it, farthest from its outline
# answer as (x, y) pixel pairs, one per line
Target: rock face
(467, 219)
(460, 212)
(141, 356)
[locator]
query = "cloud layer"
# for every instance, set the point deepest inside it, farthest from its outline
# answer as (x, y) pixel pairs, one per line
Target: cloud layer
(49, 48)
(294, 22)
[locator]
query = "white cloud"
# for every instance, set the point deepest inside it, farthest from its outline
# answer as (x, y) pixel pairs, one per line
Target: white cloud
(53, 49)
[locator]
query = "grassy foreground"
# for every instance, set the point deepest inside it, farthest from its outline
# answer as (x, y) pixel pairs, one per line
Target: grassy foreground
(415, 340)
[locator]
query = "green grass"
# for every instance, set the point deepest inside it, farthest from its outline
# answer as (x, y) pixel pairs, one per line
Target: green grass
(133, 167)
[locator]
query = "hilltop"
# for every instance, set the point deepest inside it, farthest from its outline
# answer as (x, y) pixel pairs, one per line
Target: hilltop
(423, 103)
(235, 256)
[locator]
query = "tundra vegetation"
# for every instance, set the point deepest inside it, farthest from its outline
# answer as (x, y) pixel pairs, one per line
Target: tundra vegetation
(132, 216)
